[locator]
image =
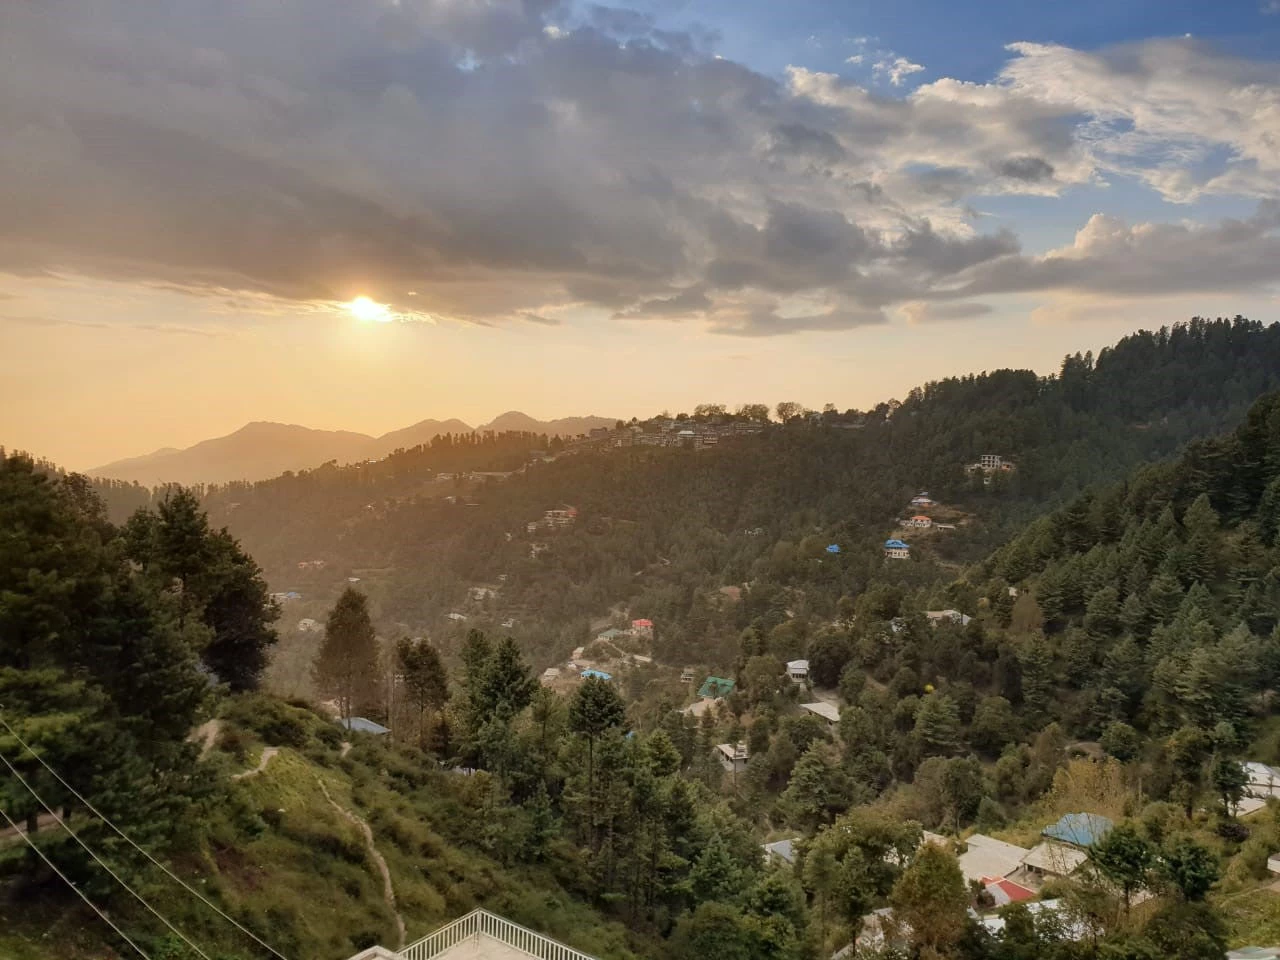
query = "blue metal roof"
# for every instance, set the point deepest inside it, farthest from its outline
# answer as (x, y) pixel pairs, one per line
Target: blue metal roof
(598, 674)
(833, 548)
(895, 544)
(361, 725)
(1080, 829)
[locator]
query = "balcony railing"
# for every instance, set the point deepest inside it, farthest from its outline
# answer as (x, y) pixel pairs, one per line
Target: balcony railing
(481, 922)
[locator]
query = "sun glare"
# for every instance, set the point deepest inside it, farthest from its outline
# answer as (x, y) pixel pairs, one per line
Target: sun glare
(366, 311)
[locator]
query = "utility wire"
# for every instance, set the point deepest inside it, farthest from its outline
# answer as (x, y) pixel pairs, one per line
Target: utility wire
(169, 873)
(99, 861)
(78, 892)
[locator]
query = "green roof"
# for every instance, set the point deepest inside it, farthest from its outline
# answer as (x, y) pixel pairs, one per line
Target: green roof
(714, 687)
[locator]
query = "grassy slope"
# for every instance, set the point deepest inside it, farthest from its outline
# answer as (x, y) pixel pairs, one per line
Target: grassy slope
(280, 858)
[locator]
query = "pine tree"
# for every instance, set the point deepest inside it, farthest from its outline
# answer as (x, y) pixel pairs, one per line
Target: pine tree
(937, 725)
(425, 678)
(347, 665)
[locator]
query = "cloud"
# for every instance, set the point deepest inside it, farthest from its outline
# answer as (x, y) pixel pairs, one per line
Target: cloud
(918, 312)
(515, 159)
(1112, 257)
(895, 69)
(47, 321)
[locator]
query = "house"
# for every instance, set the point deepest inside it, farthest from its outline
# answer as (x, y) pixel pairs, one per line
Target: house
(1072, 928)
(714, 688)
(936, 617)
(798, 671)
(986, 857)
(613, 633)
(827, 711)
(508, 623)
(1004, 891)
(687, 676)
(482, 593)
(642, 628)
(591, 672)
(1262, 781)
(307, 625)
(922, 499)
(780, 851)
(550, 676)
(920, 520)
(1053, 859)
(897, 550)
(361, 725)
(479, 935)
(1273, 863)
(733, 757)
(458, 617)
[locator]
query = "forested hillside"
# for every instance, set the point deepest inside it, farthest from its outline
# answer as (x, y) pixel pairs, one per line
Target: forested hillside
(659, 528)
(1117, 657)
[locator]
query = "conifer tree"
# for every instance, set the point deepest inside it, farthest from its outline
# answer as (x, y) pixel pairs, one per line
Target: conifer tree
(346, 668)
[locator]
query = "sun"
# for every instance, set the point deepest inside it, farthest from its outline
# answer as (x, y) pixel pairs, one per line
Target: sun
(366, 311)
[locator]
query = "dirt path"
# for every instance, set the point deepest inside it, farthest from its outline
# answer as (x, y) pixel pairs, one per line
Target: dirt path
(206, 735)
(388, 892)
(346, 748)
(267, 754)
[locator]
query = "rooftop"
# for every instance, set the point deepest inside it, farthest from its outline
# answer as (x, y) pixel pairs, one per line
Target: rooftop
(827, 711)
(1056, 858)
(361, 725)
(715, 687)
(782, 849)
(1080, 829)
(988, 857)
(480, 935)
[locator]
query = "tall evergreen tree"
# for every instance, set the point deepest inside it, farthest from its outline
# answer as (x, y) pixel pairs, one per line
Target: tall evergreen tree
(346, 667)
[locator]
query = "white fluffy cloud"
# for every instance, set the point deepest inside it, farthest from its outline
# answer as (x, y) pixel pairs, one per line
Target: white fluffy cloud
(506, 161)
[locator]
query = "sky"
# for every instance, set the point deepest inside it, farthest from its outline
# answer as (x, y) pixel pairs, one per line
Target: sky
(357, 214)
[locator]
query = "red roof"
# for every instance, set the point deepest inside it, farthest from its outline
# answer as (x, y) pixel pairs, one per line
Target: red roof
(642, 623)
(1012, 892)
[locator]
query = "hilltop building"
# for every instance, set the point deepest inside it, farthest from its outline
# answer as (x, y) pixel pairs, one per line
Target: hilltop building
(897, 550)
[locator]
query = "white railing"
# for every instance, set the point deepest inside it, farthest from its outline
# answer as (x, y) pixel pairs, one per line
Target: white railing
(481, 922)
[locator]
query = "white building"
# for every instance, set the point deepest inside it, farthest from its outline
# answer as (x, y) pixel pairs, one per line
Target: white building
(897, 550)
(732, 757)
(985, 857)
(798, 671)
(307, 625)
(480, 935)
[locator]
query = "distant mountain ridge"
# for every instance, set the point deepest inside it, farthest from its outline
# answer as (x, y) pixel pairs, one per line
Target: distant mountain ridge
(263, 449)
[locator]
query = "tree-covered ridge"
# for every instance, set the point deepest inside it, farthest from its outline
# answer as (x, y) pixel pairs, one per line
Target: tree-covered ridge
(1161, 596)
(756, 509)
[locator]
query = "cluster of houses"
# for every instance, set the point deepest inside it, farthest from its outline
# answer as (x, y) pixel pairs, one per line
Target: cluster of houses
(670, 432)
(1006, 872)
(578, 664)
(554, 520)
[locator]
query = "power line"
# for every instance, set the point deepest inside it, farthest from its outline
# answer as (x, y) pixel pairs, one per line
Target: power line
(99, 861)
(78, 892)
(169, 873)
